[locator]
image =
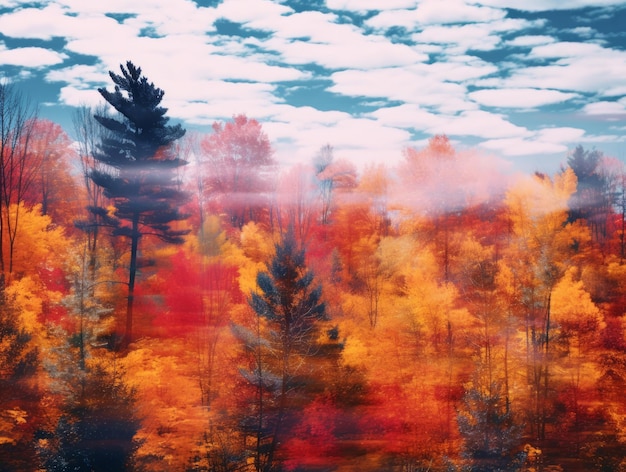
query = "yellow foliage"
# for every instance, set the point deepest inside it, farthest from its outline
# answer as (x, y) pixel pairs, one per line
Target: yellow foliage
(572, 305)
(256, 243)
(355, 353)
(38, 243)
(29, 295)
(163, 375)
(532, 198)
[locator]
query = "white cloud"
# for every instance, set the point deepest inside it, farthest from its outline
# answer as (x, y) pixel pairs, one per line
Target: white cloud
(611, 111)
(180, 18)
(564, 49)
(530, 40)
(523, 98)
(357, 52)
(299, 134)
(79, 76)
(560, 135)
(53, 21)
(315, 37)
(555, 140)
(477, 123)
(368, 5)
(30, 57)
(477, 36)
(547, 5)
(604, 138)
(438, 85)
(430, 12)
(406, 116)
(576, 67)
(119, 6)
(470, 36)
(77, 97)
(522, 147)
(252, 10)
(584, 31)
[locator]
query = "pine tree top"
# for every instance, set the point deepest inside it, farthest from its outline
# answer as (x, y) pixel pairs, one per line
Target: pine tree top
(143, 128)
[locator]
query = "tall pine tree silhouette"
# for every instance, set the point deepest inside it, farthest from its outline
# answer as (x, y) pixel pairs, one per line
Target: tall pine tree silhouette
(139, 176)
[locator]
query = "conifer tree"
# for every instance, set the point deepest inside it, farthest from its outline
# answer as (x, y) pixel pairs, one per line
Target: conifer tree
(139, 169)
(291, 308)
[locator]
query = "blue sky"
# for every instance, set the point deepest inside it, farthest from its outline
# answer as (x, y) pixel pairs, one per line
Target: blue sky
(523, 80)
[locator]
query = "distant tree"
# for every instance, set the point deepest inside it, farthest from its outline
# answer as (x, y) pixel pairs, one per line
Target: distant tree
(239, 158)
(331, 175)
(16, 167)
(53, 186)
(88, 134)
(593, 198)
(296, 202)
(139, 173)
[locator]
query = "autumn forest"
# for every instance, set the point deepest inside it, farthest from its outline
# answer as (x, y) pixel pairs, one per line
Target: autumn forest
(177, 301)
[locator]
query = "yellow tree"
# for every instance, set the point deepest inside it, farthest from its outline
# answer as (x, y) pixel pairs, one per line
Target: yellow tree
(542, 247)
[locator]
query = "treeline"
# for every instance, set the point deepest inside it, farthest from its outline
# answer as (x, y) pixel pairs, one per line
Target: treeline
(175, 301)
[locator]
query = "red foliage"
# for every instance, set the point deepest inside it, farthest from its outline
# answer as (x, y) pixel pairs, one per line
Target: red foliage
(196, 294)
(54, 280)
(313, 442)
(239, 158)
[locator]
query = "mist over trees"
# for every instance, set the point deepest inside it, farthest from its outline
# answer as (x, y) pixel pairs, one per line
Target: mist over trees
(175, 301)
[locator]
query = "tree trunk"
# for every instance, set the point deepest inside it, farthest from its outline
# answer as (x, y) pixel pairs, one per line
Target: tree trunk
(132, 272)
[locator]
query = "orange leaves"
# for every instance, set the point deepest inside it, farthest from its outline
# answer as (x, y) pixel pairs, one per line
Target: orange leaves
(169, 403)
(572, 306)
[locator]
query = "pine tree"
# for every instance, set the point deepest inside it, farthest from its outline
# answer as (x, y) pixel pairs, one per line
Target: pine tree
(97, 425)
(288, 308)
(139, 174)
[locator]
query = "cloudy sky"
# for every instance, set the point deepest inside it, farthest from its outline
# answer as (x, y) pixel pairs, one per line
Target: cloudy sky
(526, 80)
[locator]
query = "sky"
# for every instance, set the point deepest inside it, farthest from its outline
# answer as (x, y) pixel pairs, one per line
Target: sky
(523, 80)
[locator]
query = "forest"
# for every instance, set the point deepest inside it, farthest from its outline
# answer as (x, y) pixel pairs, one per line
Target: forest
(178, 301)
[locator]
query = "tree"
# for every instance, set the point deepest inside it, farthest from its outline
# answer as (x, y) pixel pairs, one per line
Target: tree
(16, 169)
(88, 134)
(139, 174)
(489, 430)
(53, 186)
(288, 308)
(97, 423)
(542, 247)
(19, 359)
(331, 175)
(593, 198)
(240, 159)
(296, 202)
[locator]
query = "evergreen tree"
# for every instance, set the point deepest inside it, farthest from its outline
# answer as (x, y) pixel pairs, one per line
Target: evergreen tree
(97, 425)
(139, 175)
(288, 308)
(593, 198)
(488, 429)
(97, 428)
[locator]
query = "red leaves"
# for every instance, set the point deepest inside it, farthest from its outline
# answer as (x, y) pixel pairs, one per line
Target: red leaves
(196, 294)
(313, 442)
